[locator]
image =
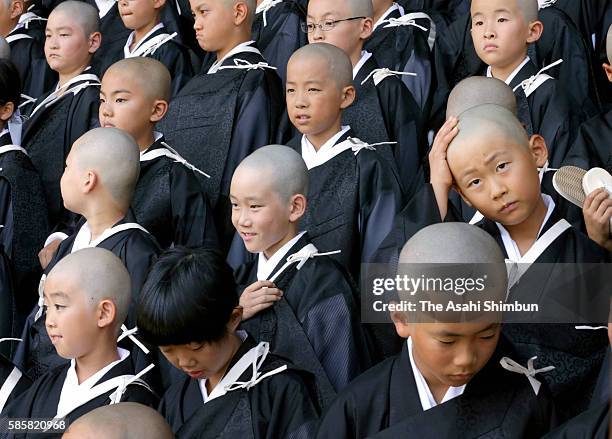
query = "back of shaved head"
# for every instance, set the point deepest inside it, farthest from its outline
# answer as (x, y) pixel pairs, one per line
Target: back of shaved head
(115, 157)
(480, 90)
(283, 165)
(5, 49)
(361, 8)
(83, 13)
(152, 76)
(251, 6)
(100, 275)
(489, 121)
(125, 420)
(609, 44)
(338, 63)
(529, 8)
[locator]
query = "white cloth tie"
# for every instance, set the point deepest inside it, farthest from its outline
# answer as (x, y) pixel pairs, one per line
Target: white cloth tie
(382, 73)
(529, 371)
(265, 6)
(171, 154)
(531, 84)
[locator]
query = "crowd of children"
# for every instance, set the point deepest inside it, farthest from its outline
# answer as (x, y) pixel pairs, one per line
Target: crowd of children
(193, 195)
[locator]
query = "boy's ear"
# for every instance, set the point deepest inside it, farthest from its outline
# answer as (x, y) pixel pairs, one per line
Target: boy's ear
(608, 69)
(158, 4)
(160, 108)
(6, 111)
(348, 96)
(95, 40)
(235, 319)
(107, 311)
(298, 207)
(539, 151)
(535, 31)
(17, 8)
(91, 181)
(241, 13)
(400, 321)
(367, 28)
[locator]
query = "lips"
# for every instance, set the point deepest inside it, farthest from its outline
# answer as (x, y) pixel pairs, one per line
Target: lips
(55, 338)
(461, 377)
(107, 125)
(509, 207)
(302, 119)
(246, 236)
(195, 374)
(490, 47)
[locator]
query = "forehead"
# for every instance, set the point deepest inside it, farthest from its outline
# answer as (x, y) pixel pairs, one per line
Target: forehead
(59, 19)
(488, 6)
(319, 8)
(208, 3)
(251, 182)
(308, 67)
(478, 145)
(459, 329)
(61, 282)
(123, 79)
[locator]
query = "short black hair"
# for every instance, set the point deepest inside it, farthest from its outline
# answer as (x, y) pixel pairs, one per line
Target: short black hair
(10, 83)
(188, 297)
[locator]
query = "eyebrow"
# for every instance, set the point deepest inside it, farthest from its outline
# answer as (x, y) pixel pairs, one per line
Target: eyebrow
(488, 160)
(58, 294)
(497, 11)
(452, 334)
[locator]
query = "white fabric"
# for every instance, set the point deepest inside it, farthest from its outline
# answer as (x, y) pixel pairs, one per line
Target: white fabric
(545, 3)
(55, 236)
(104, 6)
(8, 148)
(15, 127)
(264, 7)
(167, 151)
(147, 46)
(266, 266)
(532, 83)
(365, 55)
(12, 38)
(410, 20)
(425, 396)
(29, 17)
(383, 17)
(328, 150)
(71, 86)
(379, 74)
(307, 252)
(514, 72)
(72, 391)
(8, 386)
(240, 48)
(529, 371)
(83, 237)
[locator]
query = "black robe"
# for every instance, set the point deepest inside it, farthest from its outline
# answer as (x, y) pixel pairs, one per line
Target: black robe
(50, 132)
(42, 398)
(385, 401)
(29, 57)
(406, 49)
(175, 57)
(281, 34)
(10, 320)
(387, 112)
(23, 214)
(352, 202)
(592, 145)
(218, 119)
(593, 424)
(319, 330)
(170, 203)
(278, 406)
(136, 249)
(16, 388)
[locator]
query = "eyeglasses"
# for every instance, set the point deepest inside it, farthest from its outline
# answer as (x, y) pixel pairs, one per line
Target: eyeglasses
(325, 26)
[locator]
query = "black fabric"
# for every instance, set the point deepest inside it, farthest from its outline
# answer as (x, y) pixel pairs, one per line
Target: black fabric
(317, 317)
(592, 145)
(170, 203)
(6, 368)
(593, 424)
(278, 406)
(48, 137)
(114, 34)
(42, 398)
(217, 120)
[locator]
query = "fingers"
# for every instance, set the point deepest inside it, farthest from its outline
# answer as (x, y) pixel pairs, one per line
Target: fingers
(259, 285)
(595, 201)
(445, 136)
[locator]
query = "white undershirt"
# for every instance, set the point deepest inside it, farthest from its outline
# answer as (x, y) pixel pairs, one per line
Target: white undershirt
(514, 72)
(266, 266)
(393, 7)
(71, 390)
(104, 6)
(427, 399)
(365, 55)
(512, 249)
(314, 158)
(242, 47)
(126, 49)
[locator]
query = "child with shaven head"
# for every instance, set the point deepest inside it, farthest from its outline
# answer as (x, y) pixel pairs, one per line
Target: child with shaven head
(98, 183)
(168, 200)
(188, 308)
(449, 365)
(268, 201)
(392, 113)
(63, 114)
(87, 296)
(348, 180)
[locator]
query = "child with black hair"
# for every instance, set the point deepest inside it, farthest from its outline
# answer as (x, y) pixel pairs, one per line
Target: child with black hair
(23, 211)
(232, 385)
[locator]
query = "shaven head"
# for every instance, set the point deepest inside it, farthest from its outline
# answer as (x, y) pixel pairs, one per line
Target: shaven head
(609, 45)
(361, 8)
(282, 165)
(489, 121)
(152, 76)
(480, 90)
(251, 6)
(529, 8)
(5, 49)
(114, 156)
(125, 420)
(99, 275)
(83, 13)
(338, 64)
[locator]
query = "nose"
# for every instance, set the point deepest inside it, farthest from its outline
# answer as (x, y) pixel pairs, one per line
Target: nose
(184, 362)
(49, 320)
(464, 358)
(489, 31)
(301, 101)
(52, 42)
(197, 25)
(317, 34)
(106, 109)
(244, 219)
(498, 188)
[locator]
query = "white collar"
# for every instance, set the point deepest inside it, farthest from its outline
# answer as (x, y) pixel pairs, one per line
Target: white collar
(202, 382)
(393, 7)
(17, 27)
(156, 136)
(71, 388)
(510, 245)
(104, 6)
(83, 237)
(514, 72)
(242, 47)
(266, 266)
(427, 399)
(365, 55)
(126, 49)
(314, 158)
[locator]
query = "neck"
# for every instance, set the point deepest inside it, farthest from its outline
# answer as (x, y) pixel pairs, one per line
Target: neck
(213, 380)
(269, 252)
(6, 30)
(356, 55)
(103, 355)
(139, 34)
(526, 233)
(503, 72)
(104, 219)
(240, 36)
(438, 388)
(379, 12)
(146, 140)
(318, 140)
(65, 77)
